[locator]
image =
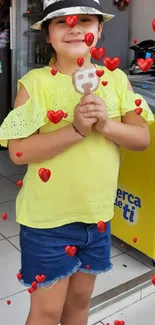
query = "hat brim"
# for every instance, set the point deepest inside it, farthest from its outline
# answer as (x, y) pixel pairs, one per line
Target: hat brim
(73, 11)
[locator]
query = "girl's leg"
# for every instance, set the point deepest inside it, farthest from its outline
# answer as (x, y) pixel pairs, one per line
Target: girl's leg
(47, 304)
(76, 307)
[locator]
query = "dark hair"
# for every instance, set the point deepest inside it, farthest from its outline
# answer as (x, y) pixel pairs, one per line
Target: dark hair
(45, 30)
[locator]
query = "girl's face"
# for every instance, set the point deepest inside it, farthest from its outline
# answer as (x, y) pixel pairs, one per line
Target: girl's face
(63, 38)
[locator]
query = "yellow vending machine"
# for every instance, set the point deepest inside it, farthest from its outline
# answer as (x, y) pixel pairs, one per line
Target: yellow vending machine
(134, 219)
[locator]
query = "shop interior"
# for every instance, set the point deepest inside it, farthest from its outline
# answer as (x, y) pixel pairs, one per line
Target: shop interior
(133, 251)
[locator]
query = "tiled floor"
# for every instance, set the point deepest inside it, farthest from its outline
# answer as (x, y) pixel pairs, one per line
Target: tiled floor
(127, 263)
(140, 313)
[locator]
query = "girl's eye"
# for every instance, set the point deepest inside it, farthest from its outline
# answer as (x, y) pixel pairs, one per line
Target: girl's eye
(61, 21)
(85, 19)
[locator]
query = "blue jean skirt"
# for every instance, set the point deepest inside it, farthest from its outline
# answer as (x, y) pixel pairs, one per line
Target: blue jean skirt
(43, 252)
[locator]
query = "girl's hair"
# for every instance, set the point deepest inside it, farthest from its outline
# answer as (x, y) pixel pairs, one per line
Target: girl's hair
(45, 30)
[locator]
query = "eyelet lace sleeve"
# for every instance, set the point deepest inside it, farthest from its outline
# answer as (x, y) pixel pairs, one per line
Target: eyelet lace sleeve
(128, 105)
(23, 121)
(128, 99)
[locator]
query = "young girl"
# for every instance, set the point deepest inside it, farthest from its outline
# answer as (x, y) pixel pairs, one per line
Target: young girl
(73, 166)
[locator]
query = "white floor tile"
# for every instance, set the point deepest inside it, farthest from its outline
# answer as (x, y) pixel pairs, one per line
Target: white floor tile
(8, 227)
(9, 267)
(15, 241)
(112, 307)
(119, 274)
(141, 257)
(8, 190)
(140, 313)
(16, 313)
(7, 168)
(115, 251)
(120, 244)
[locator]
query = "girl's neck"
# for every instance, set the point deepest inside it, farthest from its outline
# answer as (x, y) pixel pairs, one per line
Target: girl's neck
(71, 67)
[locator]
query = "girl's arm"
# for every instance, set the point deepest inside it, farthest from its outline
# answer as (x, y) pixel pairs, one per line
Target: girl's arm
(41, 147)
(133, 133)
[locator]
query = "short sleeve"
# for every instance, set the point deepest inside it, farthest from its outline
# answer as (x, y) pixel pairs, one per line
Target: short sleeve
(23, 121)
(128, 99)
(26, 119)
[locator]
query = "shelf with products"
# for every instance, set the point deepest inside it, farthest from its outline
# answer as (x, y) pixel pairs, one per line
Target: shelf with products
(37, 49)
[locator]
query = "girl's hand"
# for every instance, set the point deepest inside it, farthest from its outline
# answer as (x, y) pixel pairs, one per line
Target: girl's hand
(93, 106)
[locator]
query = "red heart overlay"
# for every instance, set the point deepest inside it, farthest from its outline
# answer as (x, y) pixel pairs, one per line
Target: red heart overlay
(44, 174)
(56, 117)
(101, 226)
(40, 278)
(138, 110)
(97, 53)
(153, 24)
(54, 72)
(80, 62)
(19, 276)
(138, 102)
(112, 64)
(104, 83)
(70, 250)
(145, 64)
(19, 183)
(99, 73)
(4, 216)
(153, 279)
(19, 154)
(89, 39)
(71, 21)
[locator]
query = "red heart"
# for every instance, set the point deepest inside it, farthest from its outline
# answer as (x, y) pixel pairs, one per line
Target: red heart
(19, 183)
(104, 83)
(55, 117)
(30, 290)
(8, 302)
(98, 53)
(41, 278)
(116, 322)
(138, 110)
(135, 239)
(99, 73)
(138, 102)
(101, 226)
(19, 276)
(145, 64)
(153, 24)
(4, 216)
(54, 72)
(121, 322)
(71, 21)
(80, 62)
(70, 250)
(135, 41)
(89, 39)
(44, 174)
(18, 154)
(153, 280)
(112, 64)
(88, 267)
(34, 285)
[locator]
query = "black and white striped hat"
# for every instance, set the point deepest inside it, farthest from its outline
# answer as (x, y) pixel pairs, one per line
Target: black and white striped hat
(56, 8)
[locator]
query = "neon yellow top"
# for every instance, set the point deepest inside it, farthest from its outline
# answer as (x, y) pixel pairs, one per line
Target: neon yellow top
(83, 181)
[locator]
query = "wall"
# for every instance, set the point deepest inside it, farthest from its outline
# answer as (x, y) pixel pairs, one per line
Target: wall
(116, 32)
(142, 13)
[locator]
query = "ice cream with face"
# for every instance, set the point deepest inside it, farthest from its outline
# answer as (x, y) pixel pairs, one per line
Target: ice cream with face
(85, 80)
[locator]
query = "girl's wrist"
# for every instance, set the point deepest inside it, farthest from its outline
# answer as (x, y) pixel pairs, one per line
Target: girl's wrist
(77, 131)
